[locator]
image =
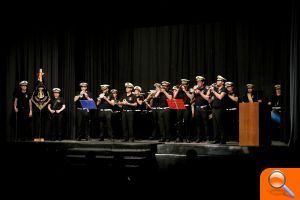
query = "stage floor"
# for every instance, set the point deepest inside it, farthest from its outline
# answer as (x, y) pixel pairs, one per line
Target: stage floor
(148, 147)
(79, 164)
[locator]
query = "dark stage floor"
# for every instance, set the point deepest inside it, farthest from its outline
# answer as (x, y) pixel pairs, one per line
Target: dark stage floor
(147, 166)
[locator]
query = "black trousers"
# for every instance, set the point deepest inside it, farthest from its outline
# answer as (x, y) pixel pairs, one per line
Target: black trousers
(201, 122)
(127, 124)
(183, 123)
(116, 122)
(105, 121)
(56, 126)
(155, 126)
(218, 124)
(82, 125)
(23, 126)
(141, 128)
(232, 124)
(164, 123)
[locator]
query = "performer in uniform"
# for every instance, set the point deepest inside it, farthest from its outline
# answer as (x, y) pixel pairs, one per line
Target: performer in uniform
(218, 92)
(140, 113)
(231, 101)
(163, 111)
(141, 105)
(116, 116)
(152, 104)
(56, 108)
(251, 95)
(23, 110)
(128, 103)
(201, 97)
(183, 115)
(82, 114)
(105, 104)
(275, 103)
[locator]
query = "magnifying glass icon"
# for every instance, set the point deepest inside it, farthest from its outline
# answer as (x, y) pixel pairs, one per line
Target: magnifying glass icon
(277, 180)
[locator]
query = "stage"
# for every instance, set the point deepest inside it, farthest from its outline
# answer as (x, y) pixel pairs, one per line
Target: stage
(145, 165)
(139, 153)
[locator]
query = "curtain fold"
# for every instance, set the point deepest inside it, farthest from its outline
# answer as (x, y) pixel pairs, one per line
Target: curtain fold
(294, 78)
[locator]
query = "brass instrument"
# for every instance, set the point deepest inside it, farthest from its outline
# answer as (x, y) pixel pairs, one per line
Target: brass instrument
(212, 86)
(182, 85)
(81, 94)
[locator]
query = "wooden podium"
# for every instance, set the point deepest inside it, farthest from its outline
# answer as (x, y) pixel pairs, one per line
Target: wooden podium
(249, 126)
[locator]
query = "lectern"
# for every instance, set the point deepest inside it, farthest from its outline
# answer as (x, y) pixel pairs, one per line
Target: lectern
(249, 126)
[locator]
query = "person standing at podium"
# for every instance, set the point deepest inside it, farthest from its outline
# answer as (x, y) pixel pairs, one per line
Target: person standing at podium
(218, 93)
(82, 114)
(105, 104)
(251, 95)
(201, 104)
(163, 111)
(128, 103)
(184, 115)
(232, 100)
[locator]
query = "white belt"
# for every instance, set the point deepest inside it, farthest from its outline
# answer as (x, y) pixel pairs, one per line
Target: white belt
(84, 109)
(231, 109)
(276, 108)
(201, 106)
(105, 110)
(161, 108)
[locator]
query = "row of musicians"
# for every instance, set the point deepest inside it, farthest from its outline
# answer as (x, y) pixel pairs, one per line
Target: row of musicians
(219, 98)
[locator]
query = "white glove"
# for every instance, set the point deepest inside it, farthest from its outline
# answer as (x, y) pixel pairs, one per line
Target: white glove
(81, 94)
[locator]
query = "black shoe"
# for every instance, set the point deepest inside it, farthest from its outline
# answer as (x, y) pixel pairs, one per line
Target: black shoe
(168, 140)
(124, 140)
(188, 141)
(151, 138)
(101, 139)
(78, 139)
(132, 140)
(216, 142)
(223, 142)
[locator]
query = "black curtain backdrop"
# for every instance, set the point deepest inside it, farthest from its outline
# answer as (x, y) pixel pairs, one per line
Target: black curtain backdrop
(294, 78)
(243, 51)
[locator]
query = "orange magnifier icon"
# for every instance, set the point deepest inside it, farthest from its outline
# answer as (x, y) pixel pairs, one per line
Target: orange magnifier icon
(277, 180)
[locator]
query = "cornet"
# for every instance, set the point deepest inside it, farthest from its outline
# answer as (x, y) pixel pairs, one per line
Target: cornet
(81, 94)
(100, 96)
(213, 85)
